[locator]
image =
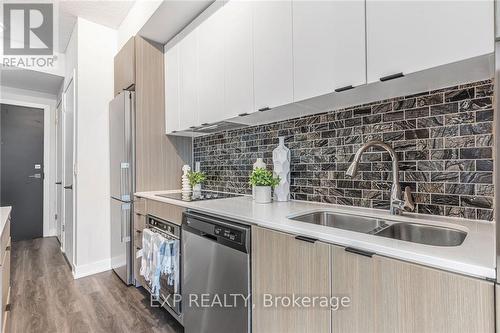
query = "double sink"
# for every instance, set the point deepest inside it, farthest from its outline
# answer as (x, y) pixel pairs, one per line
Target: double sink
(410, 232)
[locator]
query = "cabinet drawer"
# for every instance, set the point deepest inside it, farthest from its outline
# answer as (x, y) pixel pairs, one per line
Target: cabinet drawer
(5, 238)
(5, 278)
(165, 211)
(138, 239)
(140, 206)
(139, 222)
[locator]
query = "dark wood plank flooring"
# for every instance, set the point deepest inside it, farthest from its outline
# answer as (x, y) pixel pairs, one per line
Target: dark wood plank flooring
(46, 298)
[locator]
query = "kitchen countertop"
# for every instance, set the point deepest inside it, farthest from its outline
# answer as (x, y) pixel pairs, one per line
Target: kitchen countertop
(4, 215)
(475, 257)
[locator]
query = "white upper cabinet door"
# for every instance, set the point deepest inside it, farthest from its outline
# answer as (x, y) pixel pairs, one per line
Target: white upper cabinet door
(328, 46)
(172, 90)
(211, 67)
(273, 55)
(188, 59)
(407, 36)
(238, 58)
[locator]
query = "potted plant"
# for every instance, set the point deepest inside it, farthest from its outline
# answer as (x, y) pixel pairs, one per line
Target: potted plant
(195, 179)
(264, 181)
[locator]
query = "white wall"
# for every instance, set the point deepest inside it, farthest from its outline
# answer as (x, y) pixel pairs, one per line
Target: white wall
(138, 15)
(49, 103)
(96, 47)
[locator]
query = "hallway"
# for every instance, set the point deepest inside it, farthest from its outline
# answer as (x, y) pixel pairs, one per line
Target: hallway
(46, 298)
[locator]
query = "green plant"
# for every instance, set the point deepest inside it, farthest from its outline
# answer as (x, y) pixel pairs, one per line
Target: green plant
(263, 177)
(196, 177)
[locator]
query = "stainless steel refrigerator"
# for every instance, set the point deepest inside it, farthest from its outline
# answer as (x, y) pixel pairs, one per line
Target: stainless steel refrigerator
(122, 153)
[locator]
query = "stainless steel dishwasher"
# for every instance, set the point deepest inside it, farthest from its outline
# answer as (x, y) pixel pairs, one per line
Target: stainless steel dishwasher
(216, 275)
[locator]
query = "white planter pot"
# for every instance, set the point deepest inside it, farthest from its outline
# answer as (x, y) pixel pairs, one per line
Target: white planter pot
(197, 188)
(263, 194)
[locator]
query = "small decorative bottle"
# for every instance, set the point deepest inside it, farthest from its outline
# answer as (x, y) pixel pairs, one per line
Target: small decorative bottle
(281, 168)
(186, 187)
(258, 164)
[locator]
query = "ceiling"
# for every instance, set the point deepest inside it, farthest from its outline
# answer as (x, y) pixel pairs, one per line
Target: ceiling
(30, 80)
(109, 13)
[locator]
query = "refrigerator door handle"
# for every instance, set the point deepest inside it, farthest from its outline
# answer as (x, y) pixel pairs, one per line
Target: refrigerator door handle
(125, 223)
(124, 187)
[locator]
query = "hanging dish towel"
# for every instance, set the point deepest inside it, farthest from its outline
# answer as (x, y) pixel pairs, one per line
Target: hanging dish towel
(158, 243)
(147, 252)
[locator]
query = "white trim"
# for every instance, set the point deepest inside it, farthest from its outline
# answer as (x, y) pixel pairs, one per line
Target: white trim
(47, 230)
(92, 268)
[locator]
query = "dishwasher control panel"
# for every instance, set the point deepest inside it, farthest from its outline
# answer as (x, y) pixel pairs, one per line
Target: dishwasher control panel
(228, 233)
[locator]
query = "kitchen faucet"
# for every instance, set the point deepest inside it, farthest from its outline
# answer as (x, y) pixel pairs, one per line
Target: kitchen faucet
(397, 203)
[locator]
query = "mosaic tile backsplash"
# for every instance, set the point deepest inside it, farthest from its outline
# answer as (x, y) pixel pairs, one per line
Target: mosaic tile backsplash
(443, 138)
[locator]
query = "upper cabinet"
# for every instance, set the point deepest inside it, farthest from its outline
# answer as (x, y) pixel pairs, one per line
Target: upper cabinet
(328, 46)
(257, 55)
(238, 58)
(211, 69)
(409, 36)
(124, 67)
(172, 98)
(273, 54)
(188, 81)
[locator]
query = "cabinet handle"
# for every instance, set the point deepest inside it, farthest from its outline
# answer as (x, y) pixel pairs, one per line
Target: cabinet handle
(243, 114)
(360, 252)
(266, 108)
(344, 88)
(7, 248)
(391, 77)
(138, 231)
(58, 183)
(205, 124)
(306, 239)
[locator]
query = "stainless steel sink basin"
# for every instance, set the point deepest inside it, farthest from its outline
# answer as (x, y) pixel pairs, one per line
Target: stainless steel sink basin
(342, 221)
(424, 234)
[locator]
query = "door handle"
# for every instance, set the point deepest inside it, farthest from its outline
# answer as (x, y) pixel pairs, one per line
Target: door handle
(69, 187)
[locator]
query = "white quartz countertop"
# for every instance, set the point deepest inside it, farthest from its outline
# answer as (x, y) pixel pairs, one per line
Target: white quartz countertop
(4, 216)
(475, 257)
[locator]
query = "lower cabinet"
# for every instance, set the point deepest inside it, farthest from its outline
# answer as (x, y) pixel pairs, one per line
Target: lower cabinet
(380, 294)
(5, 246)
(285, 266)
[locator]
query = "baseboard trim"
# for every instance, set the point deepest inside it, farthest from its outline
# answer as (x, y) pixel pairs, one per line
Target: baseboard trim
(92, 268)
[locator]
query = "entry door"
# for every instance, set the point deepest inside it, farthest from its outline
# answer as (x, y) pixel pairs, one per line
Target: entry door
(22, 169)
(68, 171)
(59, 172)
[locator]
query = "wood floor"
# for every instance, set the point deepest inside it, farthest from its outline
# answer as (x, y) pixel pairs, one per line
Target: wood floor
(45, 298)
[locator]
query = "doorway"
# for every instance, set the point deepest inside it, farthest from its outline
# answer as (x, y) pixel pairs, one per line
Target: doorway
(22, 169)
(68, 173)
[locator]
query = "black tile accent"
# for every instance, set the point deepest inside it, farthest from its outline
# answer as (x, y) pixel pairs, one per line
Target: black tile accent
(443, 138)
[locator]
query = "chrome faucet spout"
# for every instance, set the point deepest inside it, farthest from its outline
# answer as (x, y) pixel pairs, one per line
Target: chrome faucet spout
(398, 203)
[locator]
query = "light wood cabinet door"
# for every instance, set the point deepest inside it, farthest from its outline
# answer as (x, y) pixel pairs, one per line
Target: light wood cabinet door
(413, 298)
(238, 58)
(285, 266)
(328, 46)
(273, 54)
(124, 67)
(409, 36)
(353, 277)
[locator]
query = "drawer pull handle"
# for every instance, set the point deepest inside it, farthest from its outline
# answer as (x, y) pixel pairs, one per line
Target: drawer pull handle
(391, 77)
(306, 239)
(7, 248)
(244, 114)
(266, 108)
(360, 252)
(344, 88)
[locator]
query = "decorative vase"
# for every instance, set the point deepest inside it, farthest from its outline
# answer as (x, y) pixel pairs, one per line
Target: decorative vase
(281, 166)
(186, 187)
(263, 194)
(259, 163)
